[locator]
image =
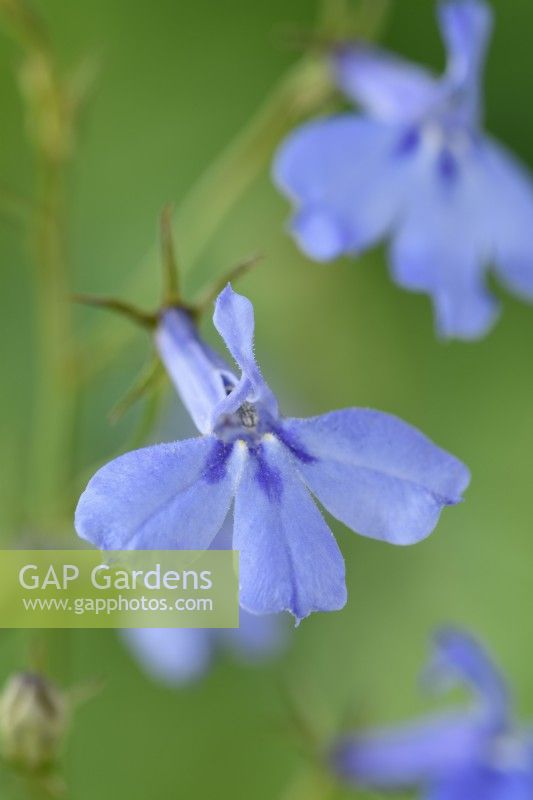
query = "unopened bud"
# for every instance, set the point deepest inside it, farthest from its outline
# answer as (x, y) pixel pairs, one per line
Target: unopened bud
(33, 721)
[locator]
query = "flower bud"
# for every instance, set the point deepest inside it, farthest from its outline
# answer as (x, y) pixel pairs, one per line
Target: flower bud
(33, 720)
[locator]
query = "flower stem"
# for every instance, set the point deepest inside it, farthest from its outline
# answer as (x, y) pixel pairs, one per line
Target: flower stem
(49, 123)
(53, 410)
(304, 89)
(218, 190)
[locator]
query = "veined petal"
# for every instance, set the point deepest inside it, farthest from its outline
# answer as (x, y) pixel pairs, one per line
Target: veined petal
(198, 373)
(173, 656)
(414, 754)
(377, 474)
(457, 656)
(289, 560)
(234, 320)
(443, 240)
(347, 177)
(170, 496)
(388, 87)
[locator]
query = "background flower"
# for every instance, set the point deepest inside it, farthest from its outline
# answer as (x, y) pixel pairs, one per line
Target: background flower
(478, 752)
(176, 656)
(416, 167)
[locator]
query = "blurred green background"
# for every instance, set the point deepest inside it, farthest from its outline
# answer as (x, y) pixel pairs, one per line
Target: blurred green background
(177, 81)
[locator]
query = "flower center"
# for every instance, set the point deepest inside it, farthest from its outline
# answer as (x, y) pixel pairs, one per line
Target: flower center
(250, 423)
(248, 415)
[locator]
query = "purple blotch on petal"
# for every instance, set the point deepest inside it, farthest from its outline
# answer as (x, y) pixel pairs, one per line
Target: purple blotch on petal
(215, 468)
(408, 143)
(268, 477)
(291, 442)
(448, 166)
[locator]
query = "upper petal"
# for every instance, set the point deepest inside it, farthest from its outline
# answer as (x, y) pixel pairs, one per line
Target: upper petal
(234, 320)
(346, 176)
(458, 656)
(170, 496)
(196, 371)
(289, 560)
(173, 656)
(410, 755)
(387, 86)
(377, 474)
(466, 28)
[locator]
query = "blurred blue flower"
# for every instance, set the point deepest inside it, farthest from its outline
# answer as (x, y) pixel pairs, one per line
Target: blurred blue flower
(176, 656)
(376, 474)
(479, 753)
(416, 167)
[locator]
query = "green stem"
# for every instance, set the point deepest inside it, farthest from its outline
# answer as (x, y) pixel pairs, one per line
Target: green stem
(49, 125)
(306, 88)
(218, 190)
(53, 409)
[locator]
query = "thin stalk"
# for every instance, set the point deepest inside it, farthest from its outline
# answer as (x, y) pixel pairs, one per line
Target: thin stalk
(213, 197)
(49, 121)
(53, 408)
(304, 89)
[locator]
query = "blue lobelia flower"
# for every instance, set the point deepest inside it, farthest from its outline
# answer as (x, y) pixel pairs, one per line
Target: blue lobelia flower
(416, 166)
(176, 656)
(477, 753)
(376, 474)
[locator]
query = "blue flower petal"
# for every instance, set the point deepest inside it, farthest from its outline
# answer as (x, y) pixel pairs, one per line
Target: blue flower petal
(170, 496)
(319, 233)
(198, 373)
(458, 656)
(377, 474)
(388, 87)
(509, 211)
(442, 243)
(405, 756)
(347, 177)
(484, 784)
(173, 656)
(234, 320)
(466, 28)
(257, 637)
(289, 560)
